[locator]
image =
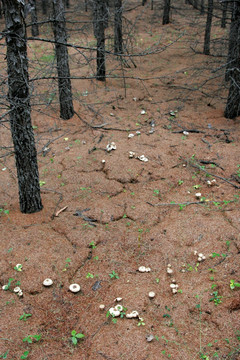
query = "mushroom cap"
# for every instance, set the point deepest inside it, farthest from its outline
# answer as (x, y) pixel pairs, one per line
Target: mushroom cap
(114, 312)
(118, 299)
(174, 291)
(20, 293)
(151, 294)
(118, 307)
(198, 195)
(134, 313)
(102, 307)
(130, 136)
(17, 289)
(129, 316)
(141, 269)
(74, 288)
(200, 259)
(169, 271)
(4, 287)
(47, 282)
(200, 255)
(148, 269)
(172, 286)
(169, 265)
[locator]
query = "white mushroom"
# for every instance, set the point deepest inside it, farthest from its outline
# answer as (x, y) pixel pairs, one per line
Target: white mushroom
(5, 287)
(148, 269)
(151, 294)
(138, 132)
(114, 312)
(134, 313)
(172, 286)
(118, 299)
(129, 316)
(130, 136)
(131, 154)
(142, 269)
(198, 195)
(143, 158)
(74, 288)
(174, 291)
(143, 112)
(102, 307)
(200, 255)
(47, 282)
(119, 308)
(199, 259)
(169, 265)
(169, 271)
(103, 161)
(20, 293)
(17, 289)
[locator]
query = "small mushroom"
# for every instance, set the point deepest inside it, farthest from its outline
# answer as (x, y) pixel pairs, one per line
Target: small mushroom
(130, 136)
(5, 287)
(138, 132)
(169, 271)
(131, 154)
(74, 288)
(173, 286)
(148, 269)
(129, 316)
(103, 161)
(143, 112)
(149, 338)
(151, 294)
(114, 312)
(16, 289)
(47, 282)
(118, 299)
(142, 269)
(119, 308)
(134, 313)
(174, 291)
(143, 158)
(102, 307)
(20, 293)
(186, 133)
(198, 195)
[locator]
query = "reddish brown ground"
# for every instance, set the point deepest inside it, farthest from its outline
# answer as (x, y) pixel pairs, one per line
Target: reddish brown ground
(131, 201)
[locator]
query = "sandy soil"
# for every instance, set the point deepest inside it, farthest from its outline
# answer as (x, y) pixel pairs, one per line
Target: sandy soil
(123, 213)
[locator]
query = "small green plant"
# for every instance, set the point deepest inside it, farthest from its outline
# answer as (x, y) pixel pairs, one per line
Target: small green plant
(114, 275)
(25, 316)
(5, 212)
(217, 299)
(30, 338)
(25, 355)
(75, 337)
(180, 182)
(92, 245)
(4, 355)
(234, 284)
(197, 186)
(156, 192)
(67, 263)
(18, 267)
(141, 322)
(41, 183)
(89, 276)
(6, 287)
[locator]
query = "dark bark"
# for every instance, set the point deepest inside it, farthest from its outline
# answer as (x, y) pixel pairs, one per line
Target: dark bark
(195, 4)
(233, 102)
(166, 12)
(1, 13)
(67, 4)
(202, 8)
(44, 7)
(35, 29)
(232, 43)
(118, 46)
(206, 49)
(144, 2)
(20, 115)
(64, 81)
(224, 14)
(86, 5)
(100, 22)
(151, 4)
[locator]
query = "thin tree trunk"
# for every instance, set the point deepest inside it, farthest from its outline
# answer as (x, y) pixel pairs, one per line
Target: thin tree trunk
(166, 12)
(20, 115)
(224, 15)
(118, 46)
(202, 8)
(195, 4)
(67, 4)
(86, 5)
(144, 2)
(151, 4)
(44, 7)
(100, 22)
(206, 49)
(1, 13)
(35, 29)
(64, 81)
(233, 102)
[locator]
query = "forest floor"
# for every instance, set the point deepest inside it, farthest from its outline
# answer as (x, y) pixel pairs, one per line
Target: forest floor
(123, 213)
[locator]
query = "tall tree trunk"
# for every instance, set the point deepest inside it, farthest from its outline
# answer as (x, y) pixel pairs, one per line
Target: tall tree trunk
(151, 4)
(100, 22)
(166, 12)
(86, 5)
(206, 49)
(232, 42)
(233, 72)
(195, 4)
(1, 10)
(202, 7)
(67, 4)
(118, 46)
(64, 81)
(44, 7)
(144, 2)
(35, 29)
(224, 14)
(20, 115)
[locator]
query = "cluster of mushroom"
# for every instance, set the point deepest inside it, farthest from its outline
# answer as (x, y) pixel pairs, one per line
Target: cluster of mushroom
(116, 310)
(143, 269)
(111, 146)
(174, 286)
(169, 269)
(200, 256)
(132, 155)
(142, 158)
(131, 135)
(18, 291)
(211, 182)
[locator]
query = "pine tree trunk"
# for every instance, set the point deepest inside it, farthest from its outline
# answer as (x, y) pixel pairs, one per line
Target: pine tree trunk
(206, 49)
(195, 4)
(224, 15)
(67, 4)
(100, 22)
(44, 7)
(64, 81)
(202, 7)
(118, 47)
(233, 102)
(20, 115)
(144, 2)
(35, 29)
(166, 12)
